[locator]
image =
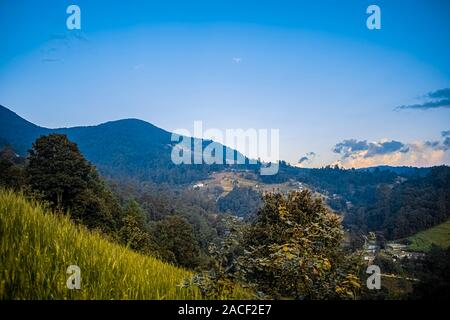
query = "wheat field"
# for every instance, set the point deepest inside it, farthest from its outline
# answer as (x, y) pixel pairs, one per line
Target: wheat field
(36, 248)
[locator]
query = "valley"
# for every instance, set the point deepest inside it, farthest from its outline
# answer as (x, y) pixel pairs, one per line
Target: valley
(182, 215)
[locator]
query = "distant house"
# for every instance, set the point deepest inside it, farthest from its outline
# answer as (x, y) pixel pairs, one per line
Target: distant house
(198, 186)
(416, 255)
(399, 251)
(396, 246)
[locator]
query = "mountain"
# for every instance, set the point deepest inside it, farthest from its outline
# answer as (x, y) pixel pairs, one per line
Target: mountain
(138, 149)
(401, 170)
(18, 132)
(130, 147)
(115, 135)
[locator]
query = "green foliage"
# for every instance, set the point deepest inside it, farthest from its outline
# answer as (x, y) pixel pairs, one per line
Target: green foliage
(241, 202)
(176, 241)
(434, 280)
(133, 232)
(424, 240)
(386, 264)
(57, 170)
(58, 173)
(193, 213)
(405, 208)
(36, 247)
(224, 276)
(11, 169)
(292, 249)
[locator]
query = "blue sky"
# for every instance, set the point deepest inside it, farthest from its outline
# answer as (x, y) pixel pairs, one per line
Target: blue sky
(332, 86)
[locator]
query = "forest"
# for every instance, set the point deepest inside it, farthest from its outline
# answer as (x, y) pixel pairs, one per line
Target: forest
(269, 245)
(176, 227)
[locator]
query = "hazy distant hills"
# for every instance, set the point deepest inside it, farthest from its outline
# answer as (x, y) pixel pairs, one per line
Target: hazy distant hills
(399, 201)
(402, 170)
(135, 148)
(129, 147)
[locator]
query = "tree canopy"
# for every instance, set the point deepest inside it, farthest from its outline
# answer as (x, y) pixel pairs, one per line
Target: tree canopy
(59, 174)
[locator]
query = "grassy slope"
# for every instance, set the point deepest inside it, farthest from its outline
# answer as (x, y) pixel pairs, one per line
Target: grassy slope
(36, 248)
(438, 235)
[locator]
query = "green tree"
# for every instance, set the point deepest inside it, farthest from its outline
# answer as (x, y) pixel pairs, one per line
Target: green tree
(58, 170)
(58, 173)
(133, 232)
(241, 201)
(177, 243)
(293, 249)
(224, 275)
(11, 169)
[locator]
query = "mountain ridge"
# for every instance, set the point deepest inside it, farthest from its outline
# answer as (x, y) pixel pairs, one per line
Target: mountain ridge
(126, 147)
(130, 147)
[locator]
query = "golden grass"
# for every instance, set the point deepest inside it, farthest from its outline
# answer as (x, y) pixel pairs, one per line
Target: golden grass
(36, 247)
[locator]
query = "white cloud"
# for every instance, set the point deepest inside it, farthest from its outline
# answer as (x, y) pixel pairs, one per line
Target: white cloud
(420, 154)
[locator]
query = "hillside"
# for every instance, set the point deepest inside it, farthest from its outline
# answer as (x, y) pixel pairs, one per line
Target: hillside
(402, 209)
(122, 148)
(36, 247)
(17, 131)
(399, 201)
(438, 235)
